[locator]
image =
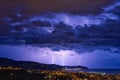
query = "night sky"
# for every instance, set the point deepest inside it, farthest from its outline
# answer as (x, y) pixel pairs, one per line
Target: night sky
(63, 32)
(43, 6)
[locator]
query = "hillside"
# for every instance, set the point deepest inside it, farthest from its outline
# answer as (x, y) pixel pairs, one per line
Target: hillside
(4, 62)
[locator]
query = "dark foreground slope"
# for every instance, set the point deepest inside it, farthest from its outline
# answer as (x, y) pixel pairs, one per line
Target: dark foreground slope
(14, 74)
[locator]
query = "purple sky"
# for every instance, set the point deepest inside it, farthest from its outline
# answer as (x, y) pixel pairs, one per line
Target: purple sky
(96, 58)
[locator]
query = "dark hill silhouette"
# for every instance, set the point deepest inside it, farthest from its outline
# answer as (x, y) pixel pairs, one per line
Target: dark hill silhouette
(5, 62)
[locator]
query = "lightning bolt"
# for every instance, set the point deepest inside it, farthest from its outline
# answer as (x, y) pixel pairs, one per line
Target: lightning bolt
(66, 19)
(53, 59)
(62, 60)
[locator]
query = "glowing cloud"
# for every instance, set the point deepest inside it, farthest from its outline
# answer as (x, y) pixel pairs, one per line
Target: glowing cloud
(62, 55)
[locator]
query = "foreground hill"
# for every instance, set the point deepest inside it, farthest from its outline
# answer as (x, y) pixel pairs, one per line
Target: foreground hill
(5, 62)
(16, 74)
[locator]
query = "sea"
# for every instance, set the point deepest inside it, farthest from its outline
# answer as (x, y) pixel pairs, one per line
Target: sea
(104, 71)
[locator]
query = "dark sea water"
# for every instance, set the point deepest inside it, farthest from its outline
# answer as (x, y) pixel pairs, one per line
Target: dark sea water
(107, 71)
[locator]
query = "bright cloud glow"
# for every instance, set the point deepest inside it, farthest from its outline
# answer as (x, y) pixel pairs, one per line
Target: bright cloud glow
(58, 57)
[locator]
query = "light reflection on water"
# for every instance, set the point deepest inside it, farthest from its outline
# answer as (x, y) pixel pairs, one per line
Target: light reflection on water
(95, 59)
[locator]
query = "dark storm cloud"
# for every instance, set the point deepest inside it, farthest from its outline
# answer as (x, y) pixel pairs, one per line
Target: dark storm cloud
(59, 32)
(41, 6)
